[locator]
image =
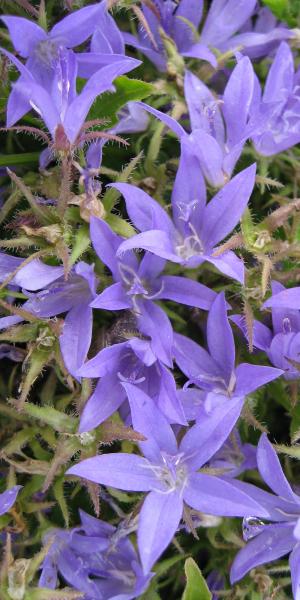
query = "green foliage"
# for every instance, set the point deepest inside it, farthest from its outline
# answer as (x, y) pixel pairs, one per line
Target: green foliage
(196, 587)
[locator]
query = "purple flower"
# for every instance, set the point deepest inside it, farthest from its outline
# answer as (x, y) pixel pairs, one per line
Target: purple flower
(217, 134)
(61, 108)
(42, 49)
(215, 371)
(169, 472)
(132, 362)
(8, 498)
(180, 22)
(270, 541)
(217, 137)
(197, 227)
(277, 112)
(73, 297)
(282, 342)
(94, 559)
(138, 284)
(224, 19)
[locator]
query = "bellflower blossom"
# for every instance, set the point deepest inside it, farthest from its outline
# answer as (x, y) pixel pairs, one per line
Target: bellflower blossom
(272, 540)
(73, 297)
(169, 472)
(197, 227)
(217, 134)
(8, 498)
(138, 284)
(215, 371)
(62, 109)
(281, 343)
(278, 110)
(42, 49)
(217, 137)
(134, 362)
(181, 21)
(95, 559)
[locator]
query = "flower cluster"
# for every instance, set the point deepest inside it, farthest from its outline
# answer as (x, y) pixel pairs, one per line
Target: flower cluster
(150, 323)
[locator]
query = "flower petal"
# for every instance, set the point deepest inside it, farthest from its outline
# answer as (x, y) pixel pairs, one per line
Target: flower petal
(158, 522)
(127, 472)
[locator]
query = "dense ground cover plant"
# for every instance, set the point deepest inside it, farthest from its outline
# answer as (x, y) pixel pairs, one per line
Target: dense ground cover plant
(150, 300)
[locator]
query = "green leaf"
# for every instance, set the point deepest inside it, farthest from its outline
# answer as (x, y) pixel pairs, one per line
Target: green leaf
(279, 8)
(81, 243)
(107, 105)
(19, 159)
(196, 586)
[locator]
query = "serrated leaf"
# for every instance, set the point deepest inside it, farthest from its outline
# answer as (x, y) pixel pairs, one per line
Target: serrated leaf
(58, 491)
(81, 243)
(196, 586)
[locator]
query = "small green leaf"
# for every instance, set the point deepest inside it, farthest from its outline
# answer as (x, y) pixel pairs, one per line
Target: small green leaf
(279, 8)
(196, 586)
(81, 243)
(19, 159)
(107, 105)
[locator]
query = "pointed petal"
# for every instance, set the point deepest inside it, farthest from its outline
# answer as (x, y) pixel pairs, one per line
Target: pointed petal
(155, 240)
(220, 337)
(280, 80)
(143, 211)
(203, 107)
(78, 26)
(106, 361)
(224, 211)
(262, 335)
(153, 322)
(24, 34)
(158, 523)
(169, 121)
(251, 377)
(112, 298)
(203, 440)
(217, 496)
(99, 82)
(210, 155)
(229, 264)
(17, 107)
(189, 191)
(104, 401)
(237, 98)
(286, 299)
(186, 291)
(127, 472)
(37, 275)
(224, 18)
(201, 52)
(8, 498)
(273, 543)
(271, 470)
(76, 337)
(106, 243)
(168, 400)
(148, 420)
(108, 29)
(41, 101)
(193, 360)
